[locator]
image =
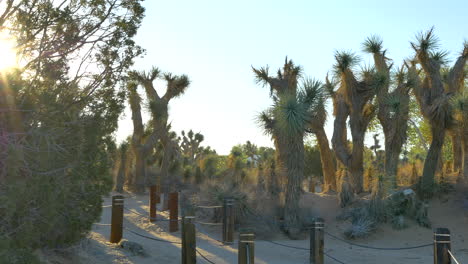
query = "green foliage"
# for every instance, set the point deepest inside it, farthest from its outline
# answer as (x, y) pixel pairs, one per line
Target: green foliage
(426, 41)
(57, 130)
(344, 60)
(373, 44)
(291, 115)
(313, 165)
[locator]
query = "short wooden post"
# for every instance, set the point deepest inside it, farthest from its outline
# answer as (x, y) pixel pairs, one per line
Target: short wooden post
(173, 212)
(153, 201)
(316, 242)
(189, 245)
(246, 249)
(228, 220)
(117, 218)
(442, 246)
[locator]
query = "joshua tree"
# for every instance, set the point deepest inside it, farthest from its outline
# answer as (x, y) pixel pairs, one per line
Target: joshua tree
(287, 122)
(158, 105)
(190, 145)
(393, 107)
(352, 99)
(433, 98)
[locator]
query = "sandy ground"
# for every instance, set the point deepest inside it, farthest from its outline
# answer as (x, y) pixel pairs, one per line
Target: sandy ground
(451, 213)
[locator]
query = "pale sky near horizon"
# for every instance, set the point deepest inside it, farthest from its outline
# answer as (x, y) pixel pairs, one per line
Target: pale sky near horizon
(216, 42)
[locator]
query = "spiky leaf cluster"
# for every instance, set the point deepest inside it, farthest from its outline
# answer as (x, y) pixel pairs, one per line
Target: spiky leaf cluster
(373, 44)
(345, 60)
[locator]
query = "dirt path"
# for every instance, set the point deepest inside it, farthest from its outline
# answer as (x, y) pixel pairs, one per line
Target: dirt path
(449, 214)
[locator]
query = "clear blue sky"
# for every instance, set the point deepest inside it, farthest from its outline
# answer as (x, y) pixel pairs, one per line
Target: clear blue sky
(215, 43)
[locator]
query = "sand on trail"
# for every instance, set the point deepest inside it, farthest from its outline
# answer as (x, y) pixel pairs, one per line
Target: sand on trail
(453, 214)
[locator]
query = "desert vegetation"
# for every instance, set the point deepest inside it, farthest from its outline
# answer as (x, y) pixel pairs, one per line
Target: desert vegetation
(59, 112)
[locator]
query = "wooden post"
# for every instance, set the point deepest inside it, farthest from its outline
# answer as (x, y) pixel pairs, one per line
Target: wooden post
(246, 249)
(442, 246)
(153, 201)
(316, 242)
(189, 245)
(228, 221)
(173, 212)
(117, 219)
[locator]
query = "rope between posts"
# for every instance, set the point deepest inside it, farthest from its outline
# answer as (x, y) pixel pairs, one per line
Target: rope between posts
(135, 212)
(377, 248)
(207, 234)
(205, 223)
(100, 224)
(145, 216)
(152, 238)
(453, 257)
(205, 258)
(105, 206)
(209, 206)
(301, 248)
(288, 246)
(335, 259)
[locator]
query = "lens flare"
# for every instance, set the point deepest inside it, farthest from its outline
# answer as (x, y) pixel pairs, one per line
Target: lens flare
(8, 58)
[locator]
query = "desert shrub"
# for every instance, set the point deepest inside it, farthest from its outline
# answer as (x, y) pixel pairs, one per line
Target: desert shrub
(362, 227)
(395, 208)
(254, 208)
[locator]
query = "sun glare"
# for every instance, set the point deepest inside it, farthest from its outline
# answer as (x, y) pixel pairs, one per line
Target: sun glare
(8, 59)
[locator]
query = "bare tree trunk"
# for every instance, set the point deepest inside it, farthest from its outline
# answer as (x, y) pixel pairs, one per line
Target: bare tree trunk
(432, 159)
(327, 160)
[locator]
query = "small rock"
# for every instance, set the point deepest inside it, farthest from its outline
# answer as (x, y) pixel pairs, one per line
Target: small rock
(132, 247)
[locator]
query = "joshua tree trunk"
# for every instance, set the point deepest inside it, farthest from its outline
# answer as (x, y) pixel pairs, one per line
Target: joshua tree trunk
(352, 99)
(294, 166)
(351, 160)
(356, 165)
(326, 155)
(176, 86)
(120, 178)
(326, 158)
(465, 160)
(432, 159)
(457, 150)
(287, 123)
